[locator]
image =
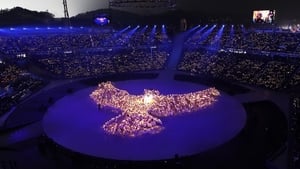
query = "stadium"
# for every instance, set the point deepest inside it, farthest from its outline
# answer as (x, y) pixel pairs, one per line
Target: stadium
(143, 84)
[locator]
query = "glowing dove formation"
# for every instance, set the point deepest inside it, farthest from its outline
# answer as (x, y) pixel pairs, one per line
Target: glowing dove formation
(139, 113)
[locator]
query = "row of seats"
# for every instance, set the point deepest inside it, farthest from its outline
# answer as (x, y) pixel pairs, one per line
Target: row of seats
(248, 40)
(269, 72)
(16, 84)
(73, 40)
(294, 139)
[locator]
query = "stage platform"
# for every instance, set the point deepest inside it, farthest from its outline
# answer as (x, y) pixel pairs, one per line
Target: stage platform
(75, 122)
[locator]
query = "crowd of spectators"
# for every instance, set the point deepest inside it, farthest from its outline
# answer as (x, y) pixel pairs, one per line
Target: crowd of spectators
(46, 41)
(15, 85)
(294, 138)
(295, 79)
(74, 53)
(88, 65)
(263, 58)
(253, 41)
(269, 72)
(91, 52)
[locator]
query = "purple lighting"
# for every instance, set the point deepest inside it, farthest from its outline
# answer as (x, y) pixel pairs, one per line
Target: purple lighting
(77, 127)
(102, 21)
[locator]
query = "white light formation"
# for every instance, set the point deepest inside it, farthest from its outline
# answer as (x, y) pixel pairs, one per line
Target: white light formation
(139, 113)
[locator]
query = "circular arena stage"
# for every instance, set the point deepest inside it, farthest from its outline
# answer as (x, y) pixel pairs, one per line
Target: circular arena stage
(75, 122)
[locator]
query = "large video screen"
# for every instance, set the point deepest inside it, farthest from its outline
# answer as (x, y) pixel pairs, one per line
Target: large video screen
(264, 16)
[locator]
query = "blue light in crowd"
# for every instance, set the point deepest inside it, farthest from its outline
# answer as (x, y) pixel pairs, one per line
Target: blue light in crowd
(163, 30)
(193, 28)
(153, 32)
(206, 33)
(218, 37)
(121, 31)
(200, 30)
(144, 29)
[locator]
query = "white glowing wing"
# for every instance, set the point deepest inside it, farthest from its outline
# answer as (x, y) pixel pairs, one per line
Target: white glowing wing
(107, 95)
(175, 104)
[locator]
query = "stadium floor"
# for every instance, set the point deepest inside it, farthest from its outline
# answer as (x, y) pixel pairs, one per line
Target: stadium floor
(74, 122)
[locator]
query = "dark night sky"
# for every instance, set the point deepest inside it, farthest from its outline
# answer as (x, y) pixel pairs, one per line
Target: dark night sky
(284, 8)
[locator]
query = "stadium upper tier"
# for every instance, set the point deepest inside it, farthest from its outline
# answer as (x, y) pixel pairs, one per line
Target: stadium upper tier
(59, 40)
(265, 71)
(238, 38)
(229, 53)
(216, 37)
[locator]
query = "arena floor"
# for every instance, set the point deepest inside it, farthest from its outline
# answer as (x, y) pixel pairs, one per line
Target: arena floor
(75, 123)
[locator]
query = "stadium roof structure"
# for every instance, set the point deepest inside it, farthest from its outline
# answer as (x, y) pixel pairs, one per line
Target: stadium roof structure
(143, 3)
(143, 7)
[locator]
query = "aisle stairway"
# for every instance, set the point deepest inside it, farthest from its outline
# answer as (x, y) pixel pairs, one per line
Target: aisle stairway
(178, 44)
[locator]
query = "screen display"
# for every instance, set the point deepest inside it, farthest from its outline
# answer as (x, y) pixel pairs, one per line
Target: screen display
(264, 16)
(102, 20)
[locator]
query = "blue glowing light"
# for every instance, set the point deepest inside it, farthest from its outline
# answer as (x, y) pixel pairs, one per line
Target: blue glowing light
(102, 20)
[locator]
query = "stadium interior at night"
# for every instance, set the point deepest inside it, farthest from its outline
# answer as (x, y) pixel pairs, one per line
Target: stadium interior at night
(111, 89)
